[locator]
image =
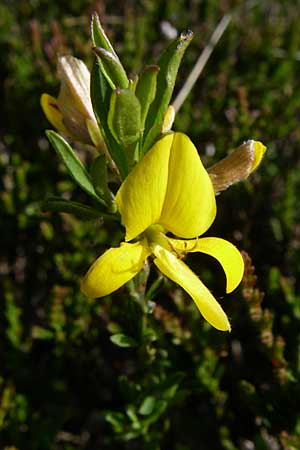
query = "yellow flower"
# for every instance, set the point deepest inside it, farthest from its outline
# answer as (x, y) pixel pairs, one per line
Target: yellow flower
(72, 113)
(168, 191)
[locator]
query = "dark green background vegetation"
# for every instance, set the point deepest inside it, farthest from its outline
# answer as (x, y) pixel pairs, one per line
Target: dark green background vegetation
(184, 386)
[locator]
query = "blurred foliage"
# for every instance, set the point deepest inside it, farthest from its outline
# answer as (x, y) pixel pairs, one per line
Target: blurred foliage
(148, 373)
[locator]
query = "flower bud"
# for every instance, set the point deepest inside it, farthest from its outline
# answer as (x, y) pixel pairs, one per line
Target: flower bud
(72, 113)
(237, 166)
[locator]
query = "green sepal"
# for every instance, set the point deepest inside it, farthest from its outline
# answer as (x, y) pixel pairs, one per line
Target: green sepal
(56, 204)
(146, 89)
(124, 117)
(99, 178)
(169, 63)
(72, 163)
(112, 68)
(100, 96)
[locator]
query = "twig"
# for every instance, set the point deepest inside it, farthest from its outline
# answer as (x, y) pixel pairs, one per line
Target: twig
(202, 60)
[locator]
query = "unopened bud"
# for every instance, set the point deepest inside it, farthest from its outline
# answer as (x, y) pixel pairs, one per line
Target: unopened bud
(237, 166)
(70, 112)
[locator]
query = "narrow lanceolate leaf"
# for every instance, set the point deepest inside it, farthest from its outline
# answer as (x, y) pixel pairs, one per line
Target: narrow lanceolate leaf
(124, 117)
(72, 163)
(237, 166)
(112, 68)
(100, 95)
(169, 63)
(99, 37)
(54, 204)
(101, 40)
(146, 89)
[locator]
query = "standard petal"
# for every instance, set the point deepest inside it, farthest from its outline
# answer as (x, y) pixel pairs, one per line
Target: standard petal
(141, 197)
(52, 112)
(113, 269)
(189, 208)
(226, 253)
(179, 272)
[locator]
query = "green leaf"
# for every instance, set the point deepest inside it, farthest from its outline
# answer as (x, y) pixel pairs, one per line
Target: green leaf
(152, 136)
(99, 178)
(159, 408)
(146, 89)
(123, 341)
(117, 420)
(110, 62)
(99, 37)
(72, 163)
(124, 117)
(147, 406)
(112, 68)
(100, 95)
(131, 413)
(170, 385)
(55, 204)
(169, 63)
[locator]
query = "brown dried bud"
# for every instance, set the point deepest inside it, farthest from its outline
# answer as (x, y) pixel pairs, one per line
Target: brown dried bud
(237, 166)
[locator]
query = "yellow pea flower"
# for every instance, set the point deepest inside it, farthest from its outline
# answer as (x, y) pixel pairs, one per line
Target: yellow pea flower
(71, 112)
(167, 191)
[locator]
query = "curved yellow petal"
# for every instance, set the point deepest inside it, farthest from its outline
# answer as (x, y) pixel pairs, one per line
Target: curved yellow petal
(259, 151)
(141, 197)
(179, 272)
(113, 269)
(190, 207)
(226, 253)
(51, 110)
